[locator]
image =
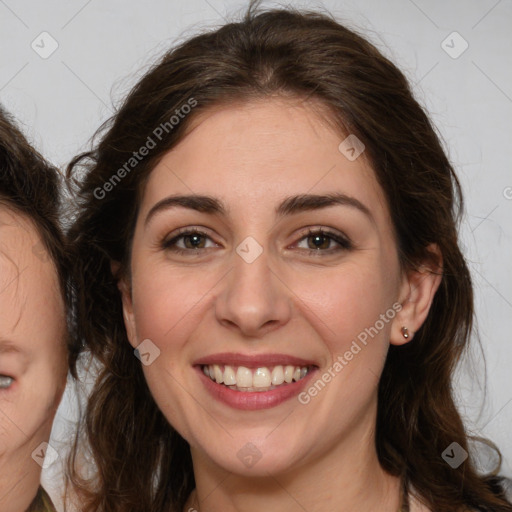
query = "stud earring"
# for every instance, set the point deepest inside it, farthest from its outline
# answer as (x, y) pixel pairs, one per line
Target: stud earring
(405, 332)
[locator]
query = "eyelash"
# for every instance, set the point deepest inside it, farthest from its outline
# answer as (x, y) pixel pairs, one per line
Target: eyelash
(343, 242)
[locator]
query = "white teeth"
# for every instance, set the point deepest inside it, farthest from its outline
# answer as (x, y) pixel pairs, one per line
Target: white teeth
(277, 376)
(288, 373)
(243, 377)
(258, 379)
(229, 376)
(261, 378)
(218, 374)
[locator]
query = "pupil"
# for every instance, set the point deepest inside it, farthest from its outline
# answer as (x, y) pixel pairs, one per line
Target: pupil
(195, 240)
(319, 241)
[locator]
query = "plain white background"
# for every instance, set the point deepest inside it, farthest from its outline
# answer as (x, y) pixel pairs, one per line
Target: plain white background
(101, 47)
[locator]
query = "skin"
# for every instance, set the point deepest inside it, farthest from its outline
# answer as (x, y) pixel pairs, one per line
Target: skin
(32, 352)
(319, 456)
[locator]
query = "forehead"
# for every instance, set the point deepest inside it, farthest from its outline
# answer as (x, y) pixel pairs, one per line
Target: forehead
(253, 155)
(17, 233)
(263, 150)
(272, 132)
(29, 287)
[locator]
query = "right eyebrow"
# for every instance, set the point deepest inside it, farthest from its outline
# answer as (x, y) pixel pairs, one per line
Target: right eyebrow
(205, 204)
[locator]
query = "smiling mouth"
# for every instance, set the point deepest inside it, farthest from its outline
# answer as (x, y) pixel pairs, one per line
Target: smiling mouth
(243, 379)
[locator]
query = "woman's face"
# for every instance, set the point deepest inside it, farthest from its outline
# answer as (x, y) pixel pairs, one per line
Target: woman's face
(230, 269)
(33, 363)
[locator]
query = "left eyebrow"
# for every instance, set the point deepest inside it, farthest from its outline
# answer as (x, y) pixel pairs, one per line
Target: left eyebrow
(308, 202)
(290, 205)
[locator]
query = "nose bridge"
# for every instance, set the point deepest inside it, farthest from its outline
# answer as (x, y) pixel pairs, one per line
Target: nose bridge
(253, 299)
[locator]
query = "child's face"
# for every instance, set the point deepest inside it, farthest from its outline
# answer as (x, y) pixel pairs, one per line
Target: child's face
(260, 280)
(33, 356)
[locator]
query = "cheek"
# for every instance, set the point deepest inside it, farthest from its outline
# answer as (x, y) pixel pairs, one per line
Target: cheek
(165, 320)
(166, 303)
(167, 306)
(31, 405)
(345, 303)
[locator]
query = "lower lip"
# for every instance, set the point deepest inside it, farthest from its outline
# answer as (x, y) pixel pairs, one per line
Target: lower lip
(253, 400)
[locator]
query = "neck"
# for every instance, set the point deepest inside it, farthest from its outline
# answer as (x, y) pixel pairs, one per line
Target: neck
(348, 478)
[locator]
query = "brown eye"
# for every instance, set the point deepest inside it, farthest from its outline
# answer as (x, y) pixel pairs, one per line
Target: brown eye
(324, 241)
(188, 241)
(319, 241)
(195, 241)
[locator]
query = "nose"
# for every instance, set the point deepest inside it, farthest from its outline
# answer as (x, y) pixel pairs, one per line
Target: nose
(253, 299)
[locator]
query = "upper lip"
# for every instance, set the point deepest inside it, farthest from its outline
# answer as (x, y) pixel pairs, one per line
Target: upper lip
(253, 361)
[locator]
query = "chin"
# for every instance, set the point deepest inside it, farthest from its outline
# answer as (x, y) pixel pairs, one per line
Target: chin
(246, 458)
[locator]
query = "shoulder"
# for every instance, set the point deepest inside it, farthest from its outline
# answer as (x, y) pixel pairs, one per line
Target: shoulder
(42, 502)
(48, 505)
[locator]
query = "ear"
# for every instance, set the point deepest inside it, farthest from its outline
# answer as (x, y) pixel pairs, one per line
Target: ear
(124, 286)
(417, 291)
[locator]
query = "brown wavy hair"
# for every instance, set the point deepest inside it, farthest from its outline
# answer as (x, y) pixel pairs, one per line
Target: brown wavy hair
(141, 463)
